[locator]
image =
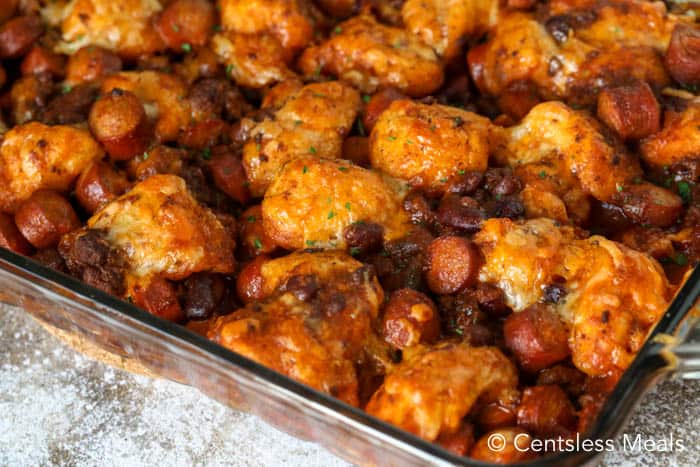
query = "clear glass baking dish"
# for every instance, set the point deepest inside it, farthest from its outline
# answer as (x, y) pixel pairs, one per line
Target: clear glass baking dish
(122, 334)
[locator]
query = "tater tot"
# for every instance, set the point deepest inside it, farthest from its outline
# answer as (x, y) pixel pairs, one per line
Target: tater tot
(35, 156)
(312, 121)
(313, 200)
(429, 144)
(369, 55)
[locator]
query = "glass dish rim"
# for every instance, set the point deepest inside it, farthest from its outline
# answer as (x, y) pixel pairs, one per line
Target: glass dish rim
(646, 366)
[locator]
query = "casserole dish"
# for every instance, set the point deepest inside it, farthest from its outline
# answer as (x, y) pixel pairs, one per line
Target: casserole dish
(123, 335)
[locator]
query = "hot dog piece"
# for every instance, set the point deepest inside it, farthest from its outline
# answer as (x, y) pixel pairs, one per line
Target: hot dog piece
(683, 54)
(10, 236)
(377, 104)
(159, 298)
(99, 184)
(91, 64)
(249, 284)
(452, 264)
(632, 110)
(45, 217)
(547, 411)
(503, 446)
(251, 234)
(184, 23)
(356, 150)
(41, 60)
(649, 204)
(459, 442)
(228, 174)
(537, 337)
(7, 9)
(18, 35)
(410, 318)
(118, 121)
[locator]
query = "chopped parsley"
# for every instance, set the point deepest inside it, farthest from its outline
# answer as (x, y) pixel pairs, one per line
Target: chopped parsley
(304, 170)
(354, 251)
(343, 169)
(66, 88)
(347, 206)
(298, 122)
(251, 219)
(619, 187)
(391, 138)
(206, 154)
(684, 191)
(338, 30)
(366, 98)
(176, 27)
(542, 174)
(331, 214)
(310, 242)
(360, 127)
(229, 69)
(145, 156)
(186, 47)
(461, 172)
(312, 150)
(457, 122)
(257, 243)
(680, 259)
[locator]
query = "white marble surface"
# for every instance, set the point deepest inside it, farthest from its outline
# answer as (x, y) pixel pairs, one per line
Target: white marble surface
(60, 408)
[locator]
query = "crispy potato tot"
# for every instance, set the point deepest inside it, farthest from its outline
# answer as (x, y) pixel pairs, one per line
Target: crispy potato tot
(445, 24)
(253, 60)
(34, 156)
(165, 232)
(313, 200)
(311, 121)
(430, 392)
(371, 55)
(426, 145)
(613, 295)
(315, 324)
(287, 20)
(620, 22)
(124, 27)
(552, 130)
(678, 142)
(521, 50)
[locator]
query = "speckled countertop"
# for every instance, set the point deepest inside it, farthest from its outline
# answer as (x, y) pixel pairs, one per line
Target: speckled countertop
(60, 408)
